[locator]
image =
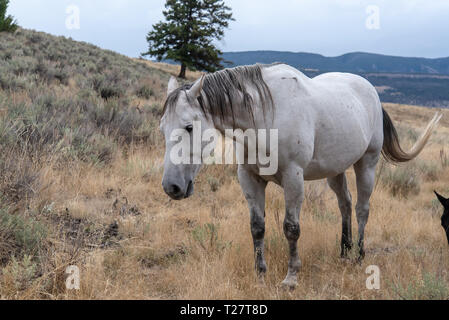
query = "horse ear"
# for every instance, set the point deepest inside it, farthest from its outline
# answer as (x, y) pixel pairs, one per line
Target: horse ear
(172, 85)
(443, 200)
(195, 91)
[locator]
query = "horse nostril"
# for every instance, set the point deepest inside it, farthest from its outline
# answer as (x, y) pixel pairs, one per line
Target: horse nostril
(174, 189)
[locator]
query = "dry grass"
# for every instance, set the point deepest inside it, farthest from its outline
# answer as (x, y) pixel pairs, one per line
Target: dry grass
(172, 69)
(202, 248)
(107, 213)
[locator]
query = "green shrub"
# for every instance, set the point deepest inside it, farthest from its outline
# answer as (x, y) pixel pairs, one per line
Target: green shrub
(207, 237)
(144, 92)
(412, 135)
(18, 180)
(24, 235)
(428, 287)
(429, 170)
(109, 86)
(402, 181)
(22, 271)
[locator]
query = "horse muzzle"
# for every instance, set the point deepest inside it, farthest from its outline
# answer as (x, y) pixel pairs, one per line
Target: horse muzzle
(177, 192)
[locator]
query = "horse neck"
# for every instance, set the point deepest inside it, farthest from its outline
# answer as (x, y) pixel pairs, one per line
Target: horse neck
(233, 124)
(242, 121)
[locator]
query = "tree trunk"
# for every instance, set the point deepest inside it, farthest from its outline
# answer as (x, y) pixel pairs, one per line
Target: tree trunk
(182, 74)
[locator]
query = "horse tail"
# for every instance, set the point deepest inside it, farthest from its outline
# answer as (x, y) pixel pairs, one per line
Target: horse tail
(392, 150)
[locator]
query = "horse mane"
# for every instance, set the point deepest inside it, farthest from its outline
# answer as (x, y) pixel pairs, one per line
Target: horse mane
(227, 93)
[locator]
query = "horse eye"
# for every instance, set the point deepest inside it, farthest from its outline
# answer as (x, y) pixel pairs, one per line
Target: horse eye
(189, 128)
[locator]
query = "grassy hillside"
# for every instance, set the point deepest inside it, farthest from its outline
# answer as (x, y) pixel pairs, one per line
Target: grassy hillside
(65, 107)
(81, 164)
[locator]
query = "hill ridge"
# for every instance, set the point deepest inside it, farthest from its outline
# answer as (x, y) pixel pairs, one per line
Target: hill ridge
(357, 62)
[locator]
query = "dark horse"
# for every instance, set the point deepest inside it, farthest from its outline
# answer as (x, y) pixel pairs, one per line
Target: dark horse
(445, 218)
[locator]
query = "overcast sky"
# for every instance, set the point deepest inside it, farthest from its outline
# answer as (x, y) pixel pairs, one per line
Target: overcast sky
(329, 27)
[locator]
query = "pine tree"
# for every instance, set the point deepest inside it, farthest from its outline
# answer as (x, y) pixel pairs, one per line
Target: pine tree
(188, 34)
(7, 22)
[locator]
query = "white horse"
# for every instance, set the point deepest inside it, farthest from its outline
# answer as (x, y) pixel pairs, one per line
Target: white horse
(325, 125)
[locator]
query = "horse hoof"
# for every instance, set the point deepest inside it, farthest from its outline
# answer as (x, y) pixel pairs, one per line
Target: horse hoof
(260, 281)
(289, 284)
(260, 284)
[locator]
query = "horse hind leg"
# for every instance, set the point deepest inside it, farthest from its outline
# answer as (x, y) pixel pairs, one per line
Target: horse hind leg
(340, 187)
(365, 171)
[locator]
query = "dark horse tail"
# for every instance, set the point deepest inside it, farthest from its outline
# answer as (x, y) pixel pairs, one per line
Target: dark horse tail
(392, 150)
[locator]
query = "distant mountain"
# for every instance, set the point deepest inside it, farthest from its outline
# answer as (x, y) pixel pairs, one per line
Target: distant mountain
(357, 62)
(417, 81)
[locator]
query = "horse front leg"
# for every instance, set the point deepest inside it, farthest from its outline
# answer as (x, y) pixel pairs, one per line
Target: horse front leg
(293, 184)
(253, 188)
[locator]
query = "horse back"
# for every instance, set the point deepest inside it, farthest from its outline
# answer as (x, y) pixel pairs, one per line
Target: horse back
(333, 119)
